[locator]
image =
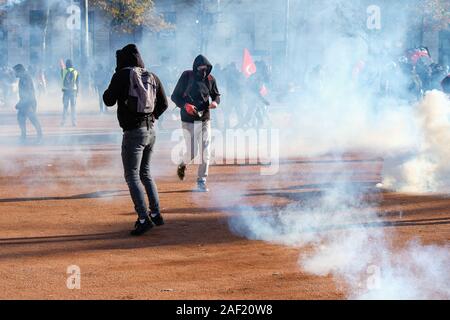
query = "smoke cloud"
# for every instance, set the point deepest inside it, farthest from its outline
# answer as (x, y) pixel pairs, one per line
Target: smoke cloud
(340, 233)
(427, 166)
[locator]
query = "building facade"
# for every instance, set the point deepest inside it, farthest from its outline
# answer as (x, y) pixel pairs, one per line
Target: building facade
(41, 32)
(278, 32)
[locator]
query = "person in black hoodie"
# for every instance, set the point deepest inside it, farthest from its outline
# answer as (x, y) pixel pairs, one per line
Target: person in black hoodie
(196, 94)
(138, 137)
(26, 106)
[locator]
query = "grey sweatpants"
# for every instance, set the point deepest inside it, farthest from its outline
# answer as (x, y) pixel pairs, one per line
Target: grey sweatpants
(197, 137)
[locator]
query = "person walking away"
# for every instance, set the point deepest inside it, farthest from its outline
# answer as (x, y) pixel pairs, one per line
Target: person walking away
(141, 100)
(41, 82)
(101, 84)
(26, 107)
(257, 105)
(234, 105)
(70, 79)
(196, 94)
(7, 81)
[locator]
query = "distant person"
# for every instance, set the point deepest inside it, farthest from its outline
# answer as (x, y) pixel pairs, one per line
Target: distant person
(165, 75)
(219, 76)
(446, 85)
(7, 79)
(3, 86)
(41, 81)
(26, 107)
(196, 94)
(234, 81)
(141, 100)
(424, 71)
(316, 78)
(255, 99)
(70, 86)
(437, 74)
(100, 83)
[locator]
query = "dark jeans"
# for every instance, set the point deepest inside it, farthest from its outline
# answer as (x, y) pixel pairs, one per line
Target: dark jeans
(70, 98)
(137, 148)
(22, 117)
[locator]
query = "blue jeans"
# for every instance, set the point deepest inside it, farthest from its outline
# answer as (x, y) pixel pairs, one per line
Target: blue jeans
(70, 98)
(137, 148)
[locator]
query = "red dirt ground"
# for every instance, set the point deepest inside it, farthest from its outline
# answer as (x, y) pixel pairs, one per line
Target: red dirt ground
(66, 203)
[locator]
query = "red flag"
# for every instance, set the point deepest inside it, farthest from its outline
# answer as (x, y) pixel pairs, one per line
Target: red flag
(248, 66)
(417, 55)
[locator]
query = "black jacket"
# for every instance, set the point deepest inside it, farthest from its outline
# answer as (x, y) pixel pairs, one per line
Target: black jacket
(118, 89)
(27, 96)
(203, 88)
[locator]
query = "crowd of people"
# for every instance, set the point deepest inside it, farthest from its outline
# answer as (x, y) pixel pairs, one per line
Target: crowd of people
(407, 78)
(244, 96)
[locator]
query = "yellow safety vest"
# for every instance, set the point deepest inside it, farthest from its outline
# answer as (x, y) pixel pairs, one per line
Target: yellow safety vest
(75, 74)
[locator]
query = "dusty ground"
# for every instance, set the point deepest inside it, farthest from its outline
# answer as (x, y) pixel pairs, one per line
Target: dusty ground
(65, 203)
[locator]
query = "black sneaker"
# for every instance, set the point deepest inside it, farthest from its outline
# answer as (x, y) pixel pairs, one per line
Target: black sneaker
(181, 171)
(201, 186)
(141, 228)
(157, 220)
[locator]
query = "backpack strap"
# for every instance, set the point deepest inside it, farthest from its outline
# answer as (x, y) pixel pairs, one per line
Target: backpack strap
(66, 73)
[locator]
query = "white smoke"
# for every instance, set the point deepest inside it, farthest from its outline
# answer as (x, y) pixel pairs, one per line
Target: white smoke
(427, 167)
(342, 235)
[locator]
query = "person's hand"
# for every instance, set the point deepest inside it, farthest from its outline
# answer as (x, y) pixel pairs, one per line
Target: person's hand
(213, 105)
(190, 109)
